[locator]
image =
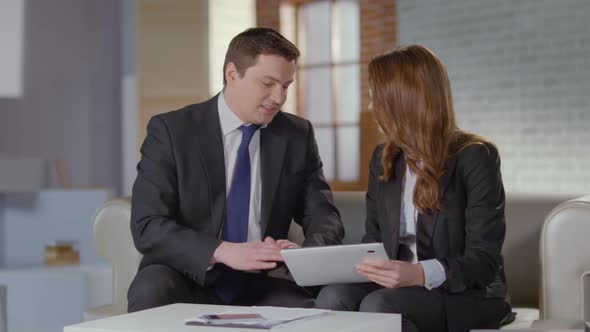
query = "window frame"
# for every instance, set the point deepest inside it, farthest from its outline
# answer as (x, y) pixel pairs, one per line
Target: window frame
(335, 124)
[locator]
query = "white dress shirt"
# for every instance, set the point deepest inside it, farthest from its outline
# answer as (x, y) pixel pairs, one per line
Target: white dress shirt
(232, 137)
(434, 272)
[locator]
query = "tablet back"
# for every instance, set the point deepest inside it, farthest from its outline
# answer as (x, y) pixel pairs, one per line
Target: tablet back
(330, 264)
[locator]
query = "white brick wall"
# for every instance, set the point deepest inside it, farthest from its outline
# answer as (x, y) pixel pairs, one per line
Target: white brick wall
(520, 72)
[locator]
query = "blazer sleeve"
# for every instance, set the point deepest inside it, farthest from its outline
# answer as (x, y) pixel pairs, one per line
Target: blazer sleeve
(479, 170)
(372, 230)
(316, 211)
(155, 228)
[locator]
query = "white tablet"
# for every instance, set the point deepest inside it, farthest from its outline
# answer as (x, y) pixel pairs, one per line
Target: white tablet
(330, 264)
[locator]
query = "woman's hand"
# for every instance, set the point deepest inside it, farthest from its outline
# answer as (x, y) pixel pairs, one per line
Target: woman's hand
(392, 273)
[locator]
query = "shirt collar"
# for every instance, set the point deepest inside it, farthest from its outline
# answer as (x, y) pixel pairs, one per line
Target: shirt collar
(229, 120)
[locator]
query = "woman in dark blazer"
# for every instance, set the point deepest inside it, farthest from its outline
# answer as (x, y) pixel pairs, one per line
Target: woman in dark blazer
(436, 201)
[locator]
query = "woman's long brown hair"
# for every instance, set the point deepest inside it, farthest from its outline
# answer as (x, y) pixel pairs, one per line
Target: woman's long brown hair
(412, 103)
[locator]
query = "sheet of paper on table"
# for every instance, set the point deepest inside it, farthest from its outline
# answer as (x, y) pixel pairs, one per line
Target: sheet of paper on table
(271, 317)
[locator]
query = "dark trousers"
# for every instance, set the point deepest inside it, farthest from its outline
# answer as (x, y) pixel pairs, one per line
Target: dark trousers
(410, 302)
(158, 285)
(421, 309)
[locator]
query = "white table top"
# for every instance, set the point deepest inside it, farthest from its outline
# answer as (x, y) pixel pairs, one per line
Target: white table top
(171, 319)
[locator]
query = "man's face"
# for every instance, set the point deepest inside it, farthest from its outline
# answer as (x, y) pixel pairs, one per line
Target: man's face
(258, 96)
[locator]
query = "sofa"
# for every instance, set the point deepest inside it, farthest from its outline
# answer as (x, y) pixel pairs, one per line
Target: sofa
(525, 216)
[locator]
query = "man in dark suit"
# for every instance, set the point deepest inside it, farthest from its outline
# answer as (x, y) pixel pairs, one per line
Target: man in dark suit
(219, 183)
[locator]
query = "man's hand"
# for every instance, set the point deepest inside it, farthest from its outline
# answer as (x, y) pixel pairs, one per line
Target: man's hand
(392, 273)
(248, 255)
(283, 244)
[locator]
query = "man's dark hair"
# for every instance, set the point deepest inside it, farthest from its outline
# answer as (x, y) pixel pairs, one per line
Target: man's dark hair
(246, 46)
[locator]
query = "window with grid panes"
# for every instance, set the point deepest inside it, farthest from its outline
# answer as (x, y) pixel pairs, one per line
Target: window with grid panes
(328, 80)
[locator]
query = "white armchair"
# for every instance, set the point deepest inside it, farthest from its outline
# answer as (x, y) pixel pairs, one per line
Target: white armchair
(565, 266)
(113, 242)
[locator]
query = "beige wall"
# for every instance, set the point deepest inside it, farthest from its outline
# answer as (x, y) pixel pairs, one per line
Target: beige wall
(172, 56)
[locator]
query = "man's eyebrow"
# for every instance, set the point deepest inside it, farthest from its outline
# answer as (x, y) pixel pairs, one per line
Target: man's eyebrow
(274, 79)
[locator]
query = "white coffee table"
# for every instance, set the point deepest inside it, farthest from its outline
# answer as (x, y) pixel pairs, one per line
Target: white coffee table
(171, 319)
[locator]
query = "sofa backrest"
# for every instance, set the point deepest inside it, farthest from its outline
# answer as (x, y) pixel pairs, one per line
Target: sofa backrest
(525, 214)
(351, 205)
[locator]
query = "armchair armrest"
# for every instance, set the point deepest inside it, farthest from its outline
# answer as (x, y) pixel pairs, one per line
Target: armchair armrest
(586, 296)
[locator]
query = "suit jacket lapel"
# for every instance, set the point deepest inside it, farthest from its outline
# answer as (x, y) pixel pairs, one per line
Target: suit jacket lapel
(272, 154)
(444, 185)
(392, 201)
(424, 231)
(210, 146)
(447, 176)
